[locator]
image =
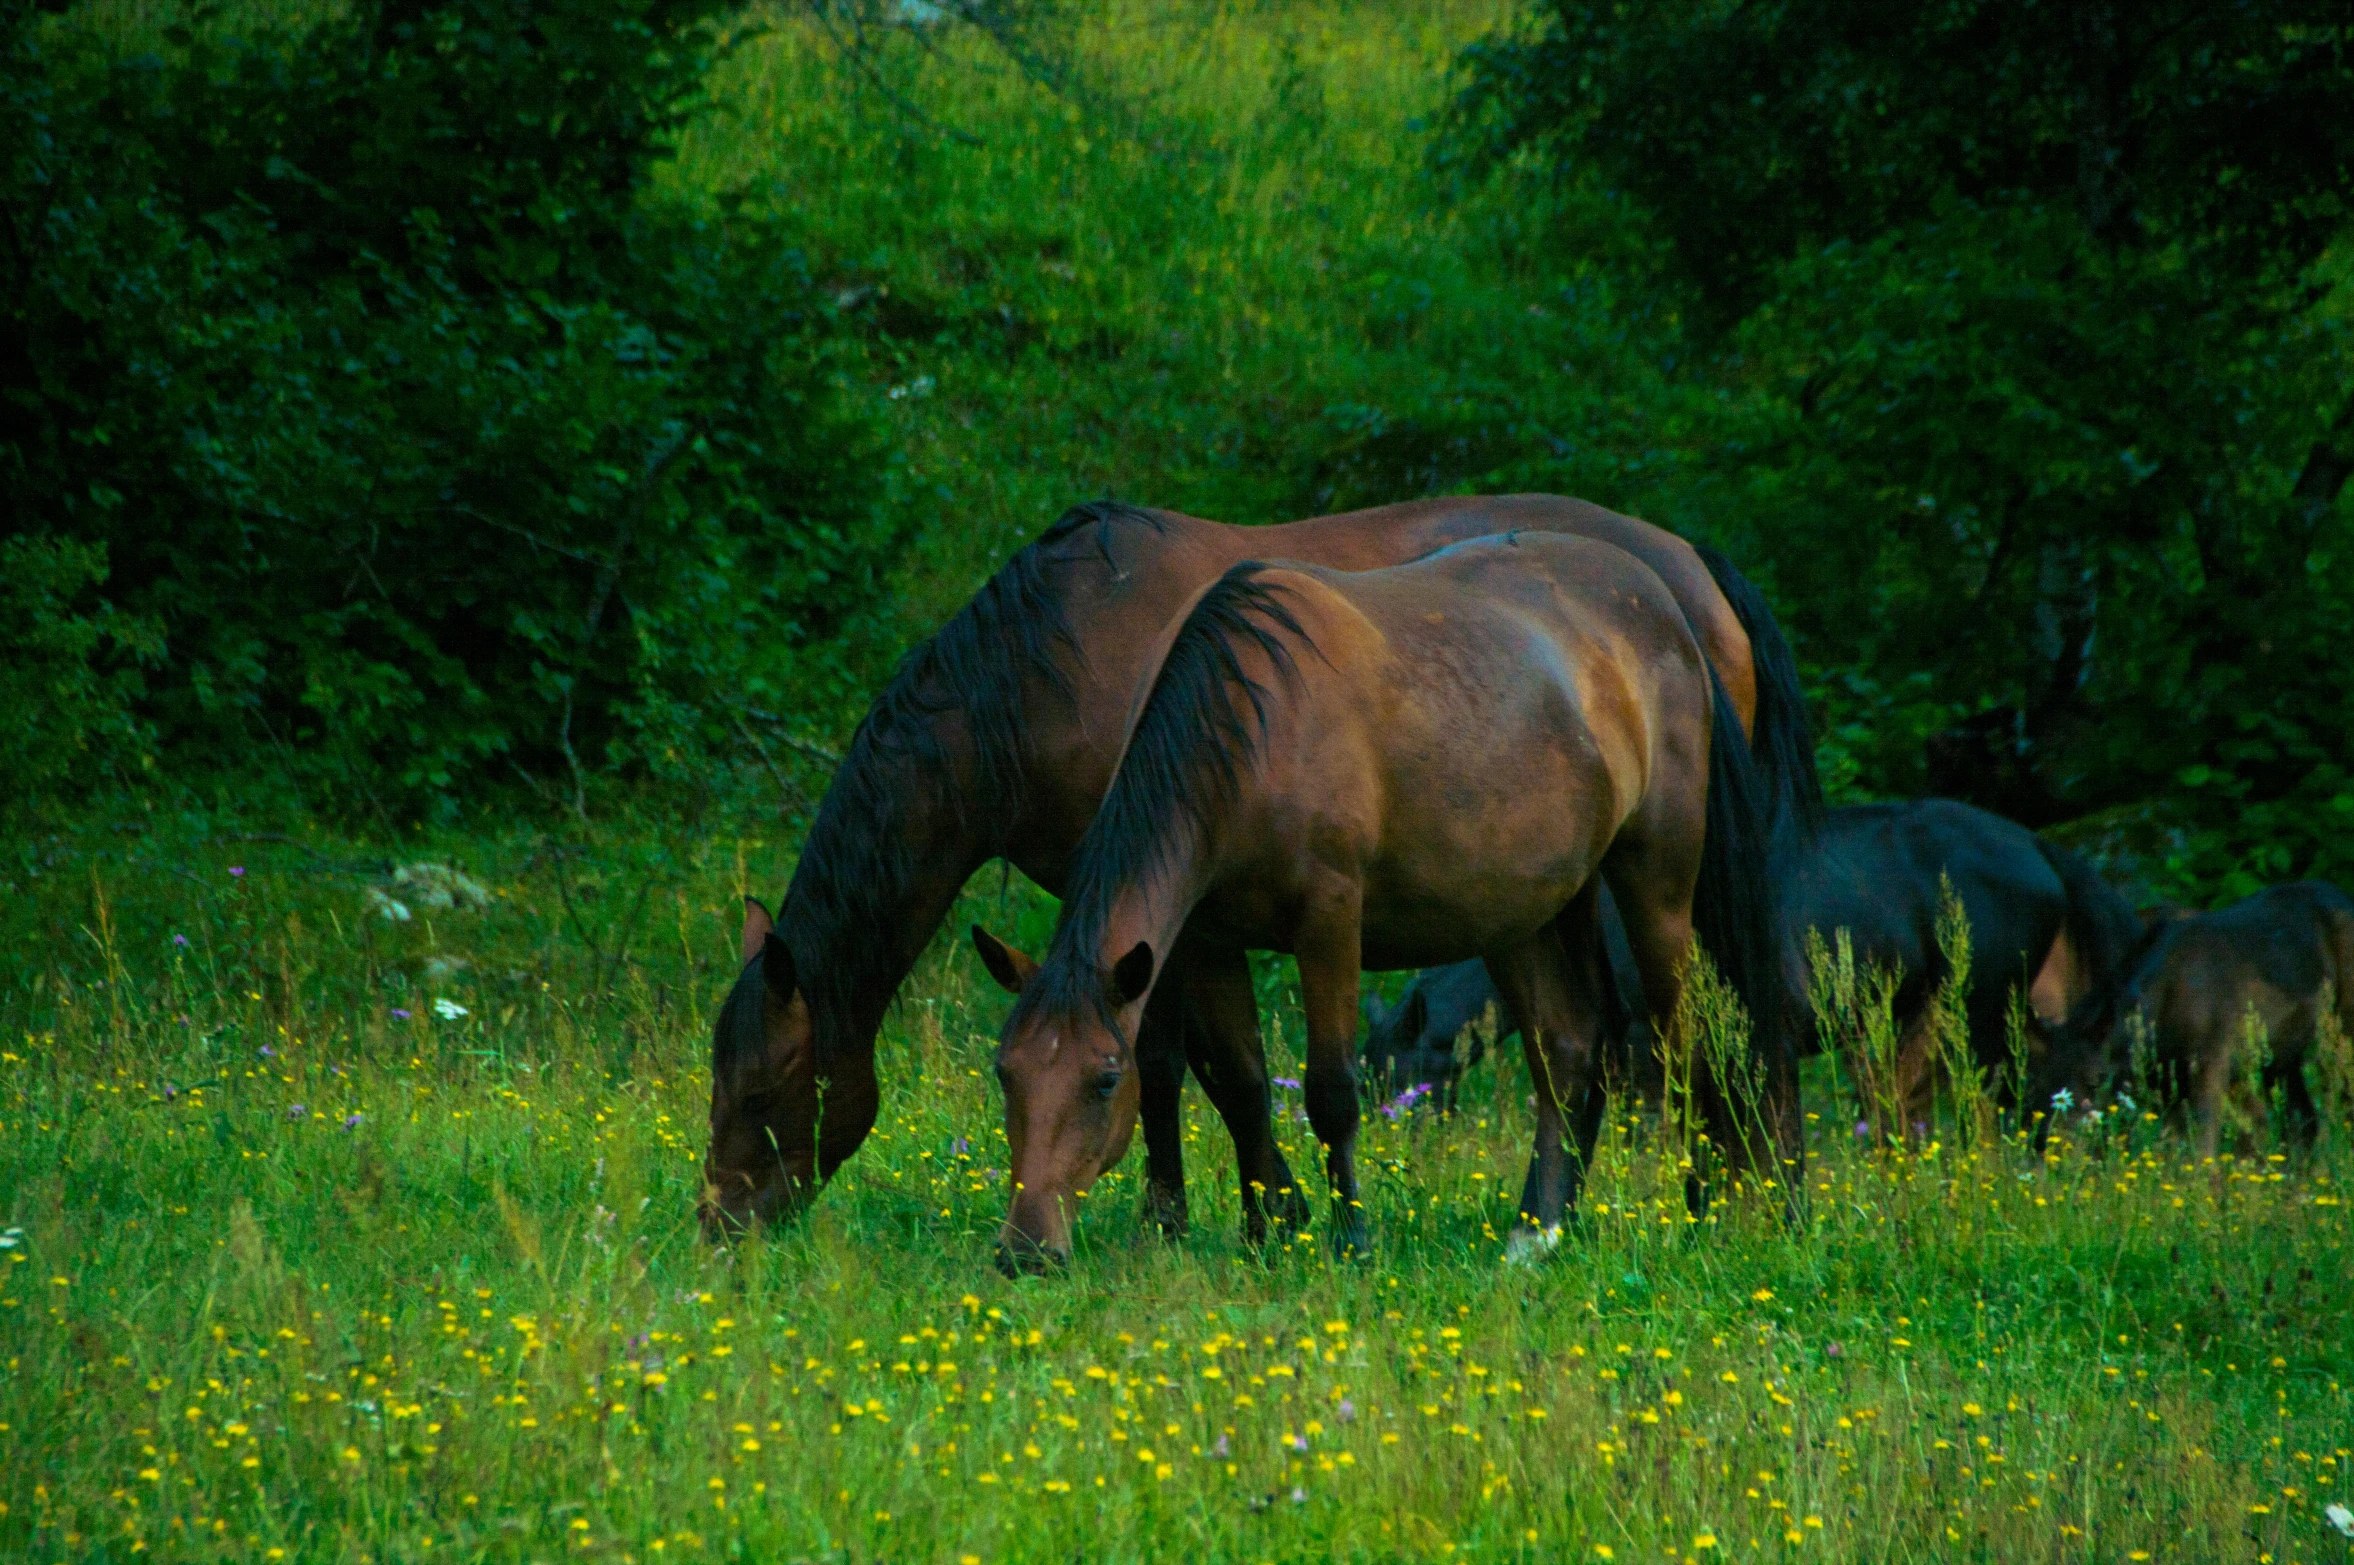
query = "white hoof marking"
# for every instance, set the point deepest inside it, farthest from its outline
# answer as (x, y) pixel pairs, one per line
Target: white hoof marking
(1527, 1246)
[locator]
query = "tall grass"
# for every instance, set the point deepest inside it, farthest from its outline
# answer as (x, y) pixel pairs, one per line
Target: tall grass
(295, 1272)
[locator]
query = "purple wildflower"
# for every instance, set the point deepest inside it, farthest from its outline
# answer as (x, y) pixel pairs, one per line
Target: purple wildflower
(1299, 1496)
(170, 1092)
(237, 870)
(1863, 1130)
(1832, 1350)
(1346, 1412)
(351, 1121)
(179, 940)
(297, 1111)
(1286, 1081)
(268, 1053)
(1397, 1107)
(959, 1147)
(399, 1015)
(1222, 1448)
(1296, 1442)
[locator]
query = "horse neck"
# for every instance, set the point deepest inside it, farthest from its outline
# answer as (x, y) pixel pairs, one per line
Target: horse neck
(871, 929)
(1153, 904)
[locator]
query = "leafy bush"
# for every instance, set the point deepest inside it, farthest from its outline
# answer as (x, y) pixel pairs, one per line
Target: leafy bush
(2029, 343)
(68, 667)
(428, 433)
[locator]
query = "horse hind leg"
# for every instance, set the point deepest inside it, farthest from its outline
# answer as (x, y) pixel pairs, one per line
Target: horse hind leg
(1551, 987)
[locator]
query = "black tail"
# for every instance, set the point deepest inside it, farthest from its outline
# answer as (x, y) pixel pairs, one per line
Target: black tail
(1780, 738)
(1733, 914)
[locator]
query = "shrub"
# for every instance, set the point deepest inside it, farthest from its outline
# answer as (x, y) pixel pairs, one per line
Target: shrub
(431, 436)
(68, 667)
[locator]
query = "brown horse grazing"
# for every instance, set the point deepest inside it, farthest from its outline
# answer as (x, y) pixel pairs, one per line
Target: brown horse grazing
(997, 738)
(2279, 957)
(1399, 768)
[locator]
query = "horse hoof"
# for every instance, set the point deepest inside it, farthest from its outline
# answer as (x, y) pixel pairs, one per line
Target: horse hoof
(1529, 1245)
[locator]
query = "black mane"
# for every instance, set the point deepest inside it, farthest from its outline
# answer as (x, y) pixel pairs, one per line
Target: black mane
(840, 914)
(1185, 758)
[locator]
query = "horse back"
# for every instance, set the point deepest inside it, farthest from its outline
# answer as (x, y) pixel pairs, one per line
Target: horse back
(2269, 956)
(1519, 635)
(1879, 872)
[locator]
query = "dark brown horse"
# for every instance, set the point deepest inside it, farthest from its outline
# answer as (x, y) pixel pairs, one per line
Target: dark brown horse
(1400, 768)
(997, 738)
(2043, 926)
(2278, 959)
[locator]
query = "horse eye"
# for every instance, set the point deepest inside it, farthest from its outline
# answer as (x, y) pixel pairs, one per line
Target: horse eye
(1106, 1084)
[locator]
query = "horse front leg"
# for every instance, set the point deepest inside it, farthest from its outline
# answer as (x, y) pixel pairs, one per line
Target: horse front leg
(1328, 955)
(1160, 1066)
(1222, 1041)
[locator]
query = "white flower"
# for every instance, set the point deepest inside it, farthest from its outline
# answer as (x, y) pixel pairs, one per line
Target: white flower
(387, 908)
(2063, 1100)
(12, 1238)
(2340, 1518)
(448, 1010)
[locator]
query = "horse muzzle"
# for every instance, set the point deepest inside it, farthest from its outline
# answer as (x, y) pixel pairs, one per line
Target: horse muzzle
(1019, 1255)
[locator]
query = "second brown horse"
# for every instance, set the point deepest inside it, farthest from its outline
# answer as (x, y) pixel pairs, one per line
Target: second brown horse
(1397, 768)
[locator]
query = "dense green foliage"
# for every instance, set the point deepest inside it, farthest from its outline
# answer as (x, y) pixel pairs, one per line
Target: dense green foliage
(2025, 318)
(2022, 398)
(67, 677)
(425, 439)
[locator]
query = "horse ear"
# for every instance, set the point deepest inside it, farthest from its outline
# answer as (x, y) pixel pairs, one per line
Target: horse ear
(757, 925)
(777, 972)
(1131, 975)
(1009, 967)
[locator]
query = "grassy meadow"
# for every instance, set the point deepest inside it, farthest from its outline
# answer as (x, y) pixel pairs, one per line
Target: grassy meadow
(332, 1235)
(335, 1237)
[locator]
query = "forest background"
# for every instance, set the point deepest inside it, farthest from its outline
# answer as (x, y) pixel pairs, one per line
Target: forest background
(417, 413)
(462, 461)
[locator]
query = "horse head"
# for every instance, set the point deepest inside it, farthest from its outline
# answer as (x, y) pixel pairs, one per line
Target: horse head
(762, 1163)
(1071, 1093)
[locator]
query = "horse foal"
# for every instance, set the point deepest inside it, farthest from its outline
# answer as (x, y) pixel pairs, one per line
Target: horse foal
(2274, 960)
